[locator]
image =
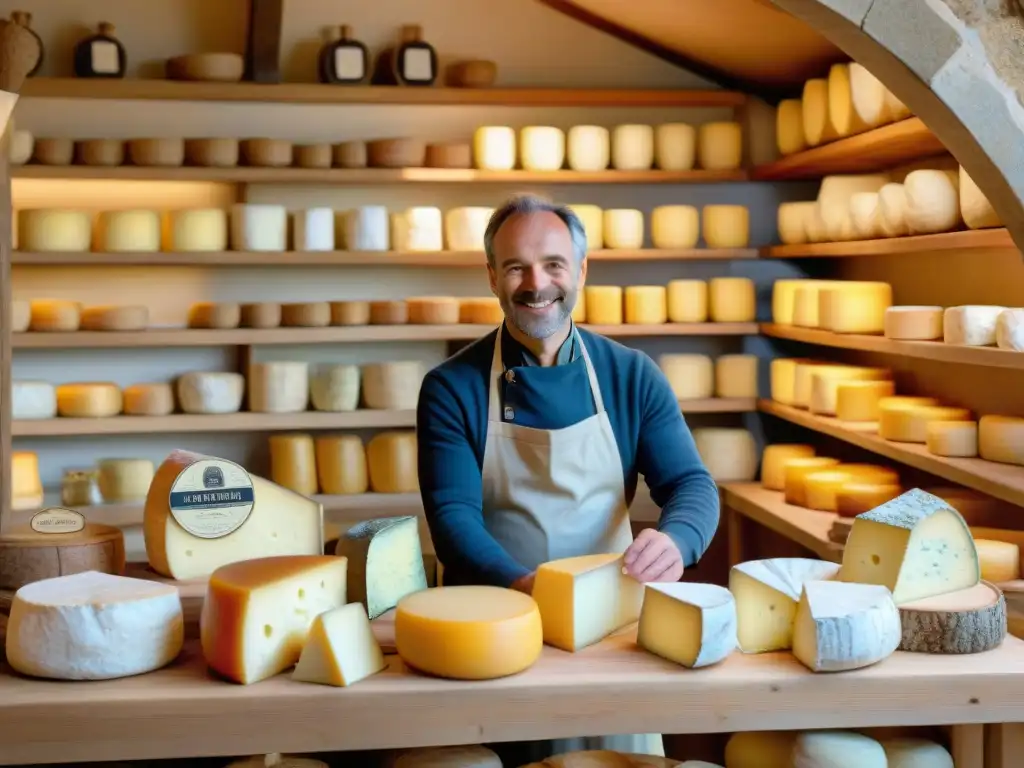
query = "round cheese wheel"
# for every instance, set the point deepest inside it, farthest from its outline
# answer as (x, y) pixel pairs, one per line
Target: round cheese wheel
(837, 749)
(293, 463)
(592, 219)
(314, 314)
(33, 399)
(732, 300)
(127, 231)
(42, 230)
(913, 323)
(334, 387)
(54, 315)
(89, 400)
(690, 376)
(196, 230)
(791, 220)
(481, 311)
(760, 749)
(933, 201)
(623, 228)
(720, 146)
(603, 304)
(350, 313)
(124, 479)
(817, 123)
(646, 304)
(956, 439)
(209, 315)
(865, 218)
(541, 148)
(263, 314)
(789, 127)
(433, 310)
(464, 228)
(975, 209)
(389, 313)
(26, 493)
(278, 387)
(687, 301)
(393, 386)
(774, 460)
(494, 148)
(892, 210)
(148, 399)
(111, 318)
(794, 476)
(736, 376)
(632, 147)
(730, 454)
(209, 392)
(392, 462)
(675, 146)
(675, 226)
(726, 226)
(589, 148)
(860, 496)
(341, 464)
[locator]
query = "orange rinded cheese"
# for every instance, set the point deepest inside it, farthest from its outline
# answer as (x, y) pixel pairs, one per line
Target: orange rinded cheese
(955, 439)
(155, 399)
(858, 400)
(854, 498)
(341, 464)
(795, 475)
(774, 460)
(293, 463)
(825, 383)
(909, 424)
(54, 315)
(481, 311)
(433, 310)
(646, 304)
(89, 400)
(820, 488)
(392, 461)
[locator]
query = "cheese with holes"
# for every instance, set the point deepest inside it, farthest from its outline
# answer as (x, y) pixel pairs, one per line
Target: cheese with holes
(933, 201)
(844, 118)
(604, 304)
(687, 301)
(726, 226)
(837, 749)
(202, 512)
(584, 599)
(867, 96)
(366, 228)
(392, 462)
(1000, 560)
(794, 477)
(909, 423)
(340, 649)
(494, 148)
(623, 228)
(728, 453)
(820, 488)
(89, 400)
(736, 376)
(690, 376)
(589, 148)
(913, 323)
(1010, 330)
(1001, 439)
(732, 299)
(33, 400)
(258, 612)
(957, 439)
(865, 222)
(774, 460)
(464, 228)
(817, 123)
(127, 231)
(632, 147)
(470, 632)
(541, 148)
(592, 219)
(48, 230)
(94, 626)
(720, 146)
(766, 593)
(293, 463)
(114, 318)
(858, 400)
(841, 626)
(912, 752)
(760, 749)
(482, 311)
(782, 378)
(892, 210)
(646, 304)
(195, 229)
(124, 479)
(975, 209)
(155, 399)
(334, 387)
(789, 127)
(259, 227)
(385, 562)
(392, 386)
(861, 496)
(825, 383)
(791, 221)
(278, 387)
(916, 545)
(341, 464)
(675, 226)
(675, 146)
(54, 315)
(26, 484)
(313, 229)
(689, 624)
(417, 229)
(210, 392)
(971, 325)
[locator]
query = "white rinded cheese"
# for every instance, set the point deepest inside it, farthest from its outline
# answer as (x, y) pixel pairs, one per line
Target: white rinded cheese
(867, 96)
(417, 229)
(892, 210)
(33, 400)
(842, 114)
(313, 229)
(127, 231)
(341, 649)
(767, 593)
(720, 146)
(210, 392)
(646, 304)
(690, 376)
(774, 460)
(124, 479)
(865, 219)
(89, 400)
(912, 752)
(464, 228)
(44, 230)
(975, 209)
(971, 326)
(841, 626)
(385, 562)
(675, 146)
(687, 301)
(817, 123)
(834, 198)
(675, 226)
(736, 376)
(494, 148)
(933, 201)
(726, 226)
(730, 454)
(196, 229)
(623, 228)
(366, 228)
(541, 148)
(1010, 330)
(278, 387)
(789, 127)
(592, 218)
(837, 749)
(854, 307)
(94, 626)
(259, 227)
(341, 464)
(791, 221)
(589, 148)
(392, 462)
(632, 147)
(334, 387)
(1001, 439)
(393, 386)
(913, 323)
(26, 483)
(690, 624)
(957, 439)
(732, 299)
(293, 463)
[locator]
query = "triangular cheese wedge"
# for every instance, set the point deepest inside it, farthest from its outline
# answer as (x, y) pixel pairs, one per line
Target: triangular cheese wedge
(341, 649)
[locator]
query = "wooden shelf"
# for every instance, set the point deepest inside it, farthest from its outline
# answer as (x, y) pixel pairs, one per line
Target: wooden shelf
(315, 93)
(806, 527)
(972, 239)
(364, 176)
(924, 350)
(349, 258)
(875, 150)
(192, 337)
(1002, 481)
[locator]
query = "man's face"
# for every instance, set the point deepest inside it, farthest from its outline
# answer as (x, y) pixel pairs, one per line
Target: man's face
(535, 274)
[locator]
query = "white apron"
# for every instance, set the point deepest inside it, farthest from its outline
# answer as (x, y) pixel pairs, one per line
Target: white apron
(557, 493)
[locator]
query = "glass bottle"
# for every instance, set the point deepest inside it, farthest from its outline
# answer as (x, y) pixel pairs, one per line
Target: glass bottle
(344, 61)
(101, 55)
(412, 62)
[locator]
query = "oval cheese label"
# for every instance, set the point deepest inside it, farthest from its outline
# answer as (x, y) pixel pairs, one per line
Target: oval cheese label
(57, 520)
(212, 498)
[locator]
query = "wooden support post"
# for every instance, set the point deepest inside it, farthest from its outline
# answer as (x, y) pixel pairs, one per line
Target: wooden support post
(6, 340)
(263, 42)
(968, 746)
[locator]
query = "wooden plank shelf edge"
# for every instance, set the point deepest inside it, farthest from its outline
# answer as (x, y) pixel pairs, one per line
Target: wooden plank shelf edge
(971, 239)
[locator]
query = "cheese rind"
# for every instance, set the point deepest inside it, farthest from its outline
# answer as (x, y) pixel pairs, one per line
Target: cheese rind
(385, 562)
(822, 488)
(675, 146)
(1010, 330)
(854, 307)
(464, 228)
(910, 424)
(690, 624)
(278, 387)
(971, 325)
(970, 620)
(210, 391)
(789, 127)
(975, 208)
(825, 383)
(54, 315)
(933, 202)
(47, 230)
(293, 463)
(795, 472)
(774, 460)
(33, 400)
(26, 483)
(494, 148)
(124, 479)
(115, 318)
(417, 229)
(1001, 439)
(340, 649)
(728, 453)
(623, 228)
(913, 323)
(604, 304)
(89, 400)
(341, 464)
(791, 222)
(334, 387)
(958, 439)
(393, 385)
(760, 749)
(862, 496)
(1000, 560)
(366, 228)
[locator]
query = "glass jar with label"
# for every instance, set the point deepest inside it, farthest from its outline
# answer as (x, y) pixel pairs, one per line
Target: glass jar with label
(101, 55)
(411, 62)
(343, 61)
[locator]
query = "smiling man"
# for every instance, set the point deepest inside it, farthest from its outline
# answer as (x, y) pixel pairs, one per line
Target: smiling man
(531, 439)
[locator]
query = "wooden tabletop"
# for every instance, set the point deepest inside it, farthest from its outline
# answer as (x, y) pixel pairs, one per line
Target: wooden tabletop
(611, 687)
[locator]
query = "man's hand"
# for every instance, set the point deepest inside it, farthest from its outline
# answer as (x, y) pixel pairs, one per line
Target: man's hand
(524, 584)
(653, 556)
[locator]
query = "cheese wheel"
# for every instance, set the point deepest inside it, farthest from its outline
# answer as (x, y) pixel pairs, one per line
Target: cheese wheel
(726, 226)
(860, 496)
(805, 302)
(389, 313)
(913, 323)
(464, 228)
(623, 228)
(834, 198)
(782, 375)
(804, 371)
(579, 310)
(466, 756)
(820, 488)
(21, 316)
(729, 454)
(26, 484)
(814, 224)
(675, 226)
(783, 300)
(675, 146)
(209, 315)
(42, 230)
(293, 463)
(589, 148)
(148, 399)
(334, 387)
(720, 146)
(393, 386)
(113, 318)
(592, 219)
(259, 227)
(124, 479)
(848, 749)
(687, 301)
(646, 304)
(825, 382)
(760, 749)
(54, 315)
(858, 400)
(933, 201)
(691, 377)
(732, 300)
(195, 230)
(278, 387)
(341, 465)
(436, 310)
(89, 400)
(1001, 439)
(1000, 560)
(541, 148)
(417, 229)
(854, 307)
(262, 314)
(314, 314)
(843, 116)
(896, 108)
(794, 476)
(867, 96)
(127, 231)
(350, 313)
(482, 311)
(789, 127)
(392, 462)
(210, 392)
(736, 376)
(1010, 330)
(971, 326)
(33, 400)
(957, 439)
(494, 148)
(313, 230)
(366, 228)
(774, 460)
(604, 304)
(975, 209)
(817, 122)
(892, 210)
(791, 221)
(632, 147)
(865, 221)
(909, 424)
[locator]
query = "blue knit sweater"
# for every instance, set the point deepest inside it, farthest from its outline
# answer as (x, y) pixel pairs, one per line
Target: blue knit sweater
(652, 437)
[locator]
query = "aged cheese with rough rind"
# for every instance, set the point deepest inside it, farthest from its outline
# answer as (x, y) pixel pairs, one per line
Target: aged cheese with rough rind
(774, 460)
(858, 400)
(726, 226)
(955, 439)
(48, 230)
(736, 376)
(789, 127)
(760, 749)
(767, 592)
(854, 307)
(366, 228)
(584, 599)
(687, 301)
(836, 749)
(632, 147)
(340, 649)
(791, 221)
(392, 462)
(720, 146)
(127, 231)
(975, 209)
(588, 148)
(913, 752)
(313, 229)
(690, 624)
(541, 148)
(259, 227)
(913, 323)
(293, 463)
(278, 387)
(623, 228)
(933, 201)
(89, 400)
(464, 228)
(394, 385)
(970, 620)
(1010, 330)
(494, 148)
(258, 612)
(210, 392)
(909, 424)
(971, 325)
(94, 626)
(33, 400)
(196, 229)
(385, 562)
(1000, 439)
(334, 387)
(794, 477)
(728, 453)
(675, 226)
(341, 464)
(604, 304)
(690, 376)
(732, 300)
(646, 304)
(675, 146)
(124, 479)
(417, 229)
(916, 546)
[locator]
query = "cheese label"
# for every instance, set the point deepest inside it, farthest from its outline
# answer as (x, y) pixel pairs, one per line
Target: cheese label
(211, 498)
(57, 520)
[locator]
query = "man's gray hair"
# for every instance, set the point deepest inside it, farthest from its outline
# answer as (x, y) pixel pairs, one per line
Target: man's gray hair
(536, 204)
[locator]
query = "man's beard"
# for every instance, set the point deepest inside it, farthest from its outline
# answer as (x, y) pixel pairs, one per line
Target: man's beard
(539, 325)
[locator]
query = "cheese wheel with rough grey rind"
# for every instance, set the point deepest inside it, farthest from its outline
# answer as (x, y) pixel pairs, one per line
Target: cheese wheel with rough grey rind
(913, 323)
(855, 498)
(971, 620)
(774, 459)
(794, 477)
(760, 749)
(463, 756)
(392, 462)
(720, 146)
(132, 231)
(732, 300)
(389, 313)
(588, 148)
(913, 752)
(210, 392)
(954, 439)
(817, 123)
(433, 310)
(858, 400)
(1000, 560)
(730, 454)
(392, 386)
(341, 464)
(736, 376)
(26, 484)
(21, 316)
(278, 387)
(726, 226)
(313, 314)
(54, 315)
(262, 314)
(113, 318)
(837, 749)
(675, 226)
(632, 147)
(1001, 439)
(687, 301)
(892, 210)
(675, 146)
(1010, 330)
(481, 311)
(196, 229)
(604, 304)
(645, 304)
(975, 209)
(26, 556)
(494, 148)
(933, 201)
(334, 387)
(124, 479)
(156, 399)
(842, 114)
(345, 313)
(33, 399)
(541, 148)
(623, 228)
(592, 219)
(789, 127)
(366, 228)
(44, 230)
(791, 221)
(690, 376)
(210, 315)
(89, 400)
(867, 96)
(293, 463)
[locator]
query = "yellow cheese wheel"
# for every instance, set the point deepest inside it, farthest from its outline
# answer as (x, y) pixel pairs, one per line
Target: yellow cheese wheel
(494, 148)
(482, 311)
(690, 376)
(389, 313)
(854, 307)
(341, 464)
(392, 462)
(909, 424)
(293, 463)
(820, 488)
(782, 378)
(604, 304)
(46, 230)
(646, 304)
(1000, 560)
(843, 117)
(127, 231)
(726, 226)
(955, 439)
(817, 123)
(54, 315)
(433, 310)
(774, 460)
(394, 385)
(1001, 439)
(856, 497)
(720, 146)
(795, 474)
(579, 310)
(623, 228)
(858, 400)
(589, 148)
(26, 484)
(89, 400)
(732, 300)
(825, 383)
(196, 229)
(675, 146)
(791, 221)
(675, 226)
(736, 376)
(687, 301)
(789, 127)
(155, 399)
(124, 479)
(632, 147)
(592, 219)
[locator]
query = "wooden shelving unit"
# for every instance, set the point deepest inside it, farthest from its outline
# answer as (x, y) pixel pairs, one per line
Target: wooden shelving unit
(973, 240)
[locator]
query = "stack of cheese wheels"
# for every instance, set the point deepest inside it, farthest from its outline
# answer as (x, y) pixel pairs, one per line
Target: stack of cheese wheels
(839, 306)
